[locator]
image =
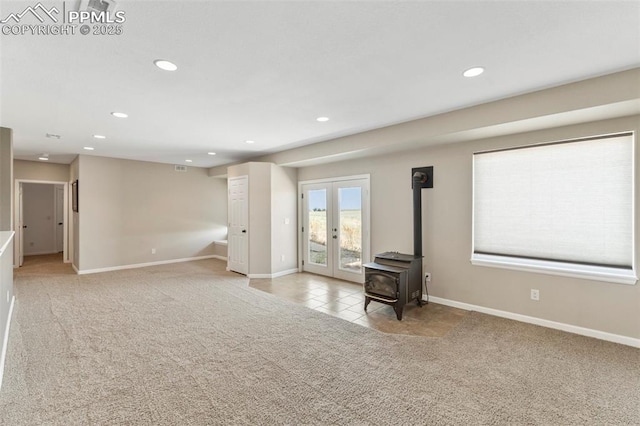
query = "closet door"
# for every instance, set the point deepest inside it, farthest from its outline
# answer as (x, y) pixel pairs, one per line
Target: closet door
(238, 233)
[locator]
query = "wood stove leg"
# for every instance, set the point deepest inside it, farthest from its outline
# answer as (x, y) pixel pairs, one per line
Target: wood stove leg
(419, 302)
(398, 310)
(367, 300)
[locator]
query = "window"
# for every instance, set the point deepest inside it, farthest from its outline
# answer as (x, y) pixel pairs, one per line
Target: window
(564, 208)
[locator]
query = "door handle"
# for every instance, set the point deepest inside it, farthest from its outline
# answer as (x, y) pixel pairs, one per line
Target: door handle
(60, 223)
(244, 231)
(24, 226)
(335, 237)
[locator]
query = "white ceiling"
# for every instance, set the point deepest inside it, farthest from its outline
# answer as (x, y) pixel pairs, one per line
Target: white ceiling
(266, 70)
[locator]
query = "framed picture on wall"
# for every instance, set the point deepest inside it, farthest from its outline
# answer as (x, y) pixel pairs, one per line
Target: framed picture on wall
(74, 196)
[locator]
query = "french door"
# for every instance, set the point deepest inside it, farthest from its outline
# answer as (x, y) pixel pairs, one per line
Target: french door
(335, 232)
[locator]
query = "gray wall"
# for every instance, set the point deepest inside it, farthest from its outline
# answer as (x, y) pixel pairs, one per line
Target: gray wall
(6, 179)
(259, 214)
(129, 207)
(272, 199)
(6, 288)
(40, 170)
(447, 222)
(74, 229)
(43, 171)
(6, 228)
(259, 218)
(284, 236)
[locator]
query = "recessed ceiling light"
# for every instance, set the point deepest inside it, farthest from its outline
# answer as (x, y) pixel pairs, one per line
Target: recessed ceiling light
(89, 148)
(322, 119)
(211, 153)
(249, 142)
(473, 72)
(119, 114)
(43, 158)
(99, 137)
(165, 65)
(52, 136)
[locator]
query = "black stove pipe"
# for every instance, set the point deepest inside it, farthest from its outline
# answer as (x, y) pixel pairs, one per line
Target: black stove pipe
(418, 179)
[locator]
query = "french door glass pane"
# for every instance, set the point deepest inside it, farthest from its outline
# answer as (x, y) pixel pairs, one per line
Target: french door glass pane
(350, 247)
(318, 226)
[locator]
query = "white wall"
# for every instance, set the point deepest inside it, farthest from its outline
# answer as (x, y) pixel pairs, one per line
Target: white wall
(284, 219)
(127, 208)
(447, 222)
(39, 217)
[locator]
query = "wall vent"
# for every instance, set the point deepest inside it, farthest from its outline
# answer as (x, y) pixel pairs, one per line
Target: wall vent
(179, 168)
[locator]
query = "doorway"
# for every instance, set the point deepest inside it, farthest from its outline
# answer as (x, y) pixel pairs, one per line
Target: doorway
(335, 231)
(41, 213)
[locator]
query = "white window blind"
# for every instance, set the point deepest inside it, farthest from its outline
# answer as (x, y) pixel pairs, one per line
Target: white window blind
(569, 202)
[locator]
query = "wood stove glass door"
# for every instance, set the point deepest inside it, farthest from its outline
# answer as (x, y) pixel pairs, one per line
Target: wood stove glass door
(336, 227)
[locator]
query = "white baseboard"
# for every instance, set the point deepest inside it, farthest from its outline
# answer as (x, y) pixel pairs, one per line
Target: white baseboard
(5, 341)
(286, 272)
(276, 275)
(141, 265)
(602, 335)
(40, 253)
(215, 256)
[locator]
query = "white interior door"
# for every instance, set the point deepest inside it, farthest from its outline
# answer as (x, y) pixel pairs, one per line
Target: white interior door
(336, 228)
(238, 233)
(58, 219)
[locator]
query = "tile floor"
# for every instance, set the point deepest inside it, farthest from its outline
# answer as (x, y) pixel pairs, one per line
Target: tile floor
(346, 300)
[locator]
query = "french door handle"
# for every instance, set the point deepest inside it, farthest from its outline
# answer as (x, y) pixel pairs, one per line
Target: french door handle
(244, 231)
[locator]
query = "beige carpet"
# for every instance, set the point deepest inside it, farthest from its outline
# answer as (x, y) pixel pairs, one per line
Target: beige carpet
(190, 344)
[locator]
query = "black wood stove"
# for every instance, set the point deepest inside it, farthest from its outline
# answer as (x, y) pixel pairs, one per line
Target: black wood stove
(395, 278)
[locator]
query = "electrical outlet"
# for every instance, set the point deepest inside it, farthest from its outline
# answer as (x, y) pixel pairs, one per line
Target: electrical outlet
(535, 294)
(153, 251)
(427, 276)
